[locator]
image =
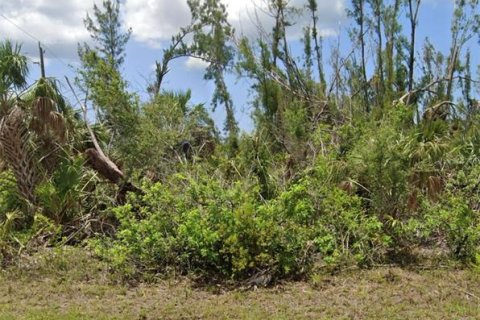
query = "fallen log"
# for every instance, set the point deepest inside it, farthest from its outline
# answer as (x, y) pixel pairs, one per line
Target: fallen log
(101, 163)
(104, 166)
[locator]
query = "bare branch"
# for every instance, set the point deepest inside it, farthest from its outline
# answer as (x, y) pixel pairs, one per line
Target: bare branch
(106, 166)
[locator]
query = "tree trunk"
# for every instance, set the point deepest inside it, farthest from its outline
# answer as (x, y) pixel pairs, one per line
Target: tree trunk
(411, 59)
(364, 68)
(451, 70)
(18, 156)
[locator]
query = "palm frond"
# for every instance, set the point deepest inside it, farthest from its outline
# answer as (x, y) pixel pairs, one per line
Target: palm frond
(16, 151)
(13, 67)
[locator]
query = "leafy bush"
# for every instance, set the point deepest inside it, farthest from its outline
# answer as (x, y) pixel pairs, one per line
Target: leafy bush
(228, 230)
(60, 196)
(455, 219)
(380, 163)
(459, 224)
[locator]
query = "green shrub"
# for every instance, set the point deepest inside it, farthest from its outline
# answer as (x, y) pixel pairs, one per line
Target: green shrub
(228, 230)
(59, 197)
(456, 217)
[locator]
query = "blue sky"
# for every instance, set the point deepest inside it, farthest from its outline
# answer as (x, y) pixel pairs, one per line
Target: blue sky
(59, 25)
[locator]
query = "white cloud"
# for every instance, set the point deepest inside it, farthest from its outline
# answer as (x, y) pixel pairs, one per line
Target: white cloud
(59, 24)
(247, 15)
(195, 63)
(154, 21)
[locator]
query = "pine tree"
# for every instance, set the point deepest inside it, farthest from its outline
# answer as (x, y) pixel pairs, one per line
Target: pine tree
(212, 34)
(358, 15)
(105, 30)
(99, 76)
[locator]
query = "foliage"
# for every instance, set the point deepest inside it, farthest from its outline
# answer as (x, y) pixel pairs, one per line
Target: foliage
(9, 200)
(105, 30)
(13, 68)
(227, 230)
(60, 196)
(377, 164)
(105, 86)
(212, 35)
(169, 133)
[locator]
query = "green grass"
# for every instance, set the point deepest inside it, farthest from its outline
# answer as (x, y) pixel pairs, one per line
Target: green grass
(71, 285)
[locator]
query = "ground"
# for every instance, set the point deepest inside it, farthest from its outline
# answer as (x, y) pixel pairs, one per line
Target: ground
(73, 285)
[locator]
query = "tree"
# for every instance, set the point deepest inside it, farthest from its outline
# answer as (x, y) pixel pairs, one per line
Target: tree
(105, 30)
(465, 23)
(13, 69)
(33, 129)
(377, 7)
(312, 6)
(392, 29)
(107, 90)
(413, 8)
(100, 77)
(358, 14)
(14, 147)
(212, 34)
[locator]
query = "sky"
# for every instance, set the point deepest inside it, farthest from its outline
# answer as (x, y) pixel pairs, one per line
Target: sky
(58, 24)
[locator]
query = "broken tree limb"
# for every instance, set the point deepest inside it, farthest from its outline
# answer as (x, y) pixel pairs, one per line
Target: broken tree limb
(104, 166)
(97, 159)
(405, 99)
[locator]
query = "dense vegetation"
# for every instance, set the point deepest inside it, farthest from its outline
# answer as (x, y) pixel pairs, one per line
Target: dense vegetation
(375, 161)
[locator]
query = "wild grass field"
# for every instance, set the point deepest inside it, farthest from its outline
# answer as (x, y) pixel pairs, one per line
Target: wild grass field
(70, 284)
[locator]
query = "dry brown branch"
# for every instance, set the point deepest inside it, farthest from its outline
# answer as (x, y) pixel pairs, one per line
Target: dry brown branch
(407, 96)
(96, 157)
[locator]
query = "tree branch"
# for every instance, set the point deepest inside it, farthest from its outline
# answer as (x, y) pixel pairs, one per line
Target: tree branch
(100, 162)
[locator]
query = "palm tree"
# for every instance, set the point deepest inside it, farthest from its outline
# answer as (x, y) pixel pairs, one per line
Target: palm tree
(14, 147)
(32, 126)
(13, 67)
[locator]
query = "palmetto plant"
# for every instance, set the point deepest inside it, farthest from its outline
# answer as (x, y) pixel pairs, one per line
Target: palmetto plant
(17, 151)
(13, 69)
(426, 150)
(13, 131)
(59, 194)
(32, 126)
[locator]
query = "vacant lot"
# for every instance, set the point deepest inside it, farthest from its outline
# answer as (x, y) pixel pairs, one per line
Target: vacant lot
(72, 285)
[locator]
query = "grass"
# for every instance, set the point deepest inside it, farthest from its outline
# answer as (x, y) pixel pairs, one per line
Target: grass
(69, 284)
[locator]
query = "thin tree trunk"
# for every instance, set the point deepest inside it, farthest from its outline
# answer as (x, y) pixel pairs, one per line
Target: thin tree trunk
(390, 45)
(362, 47)
(378, 30)
(451, 70)
(318, 51)
(411, 59)
(276, 33)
